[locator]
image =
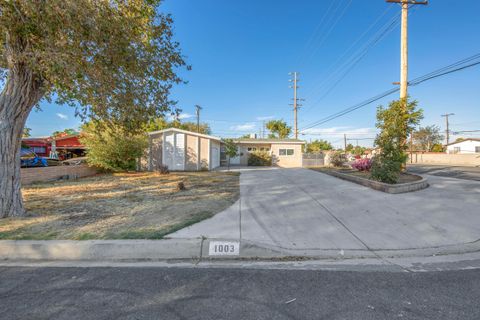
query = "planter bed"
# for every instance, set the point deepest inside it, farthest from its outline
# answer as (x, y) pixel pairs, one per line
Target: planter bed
(407, 182)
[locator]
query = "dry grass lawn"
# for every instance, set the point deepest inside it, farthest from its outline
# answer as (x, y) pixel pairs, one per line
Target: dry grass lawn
(121, 206)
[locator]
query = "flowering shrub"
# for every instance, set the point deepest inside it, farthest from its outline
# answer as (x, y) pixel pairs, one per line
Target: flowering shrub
(362, 164)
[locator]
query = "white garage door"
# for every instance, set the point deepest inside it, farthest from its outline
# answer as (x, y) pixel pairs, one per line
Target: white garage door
(168, 149)
(215, 157)
(179, 151)
(174, 151)
(235, 160)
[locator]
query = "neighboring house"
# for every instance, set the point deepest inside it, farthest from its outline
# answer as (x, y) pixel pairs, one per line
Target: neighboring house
(62, 146)
(466, 146)
(182, 150)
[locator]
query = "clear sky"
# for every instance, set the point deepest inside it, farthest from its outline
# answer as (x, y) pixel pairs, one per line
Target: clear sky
(241, 54)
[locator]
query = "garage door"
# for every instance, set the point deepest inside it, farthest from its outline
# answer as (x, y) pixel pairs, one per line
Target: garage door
(215, 157)
(174, 151)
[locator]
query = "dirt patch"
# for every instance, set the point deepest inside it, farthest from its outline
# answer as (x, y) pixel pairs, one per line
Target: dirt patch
(121, 206)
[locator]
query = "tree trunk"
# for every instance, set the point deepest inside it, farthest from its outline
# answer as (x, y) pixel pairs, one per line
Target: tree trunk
(21, 93)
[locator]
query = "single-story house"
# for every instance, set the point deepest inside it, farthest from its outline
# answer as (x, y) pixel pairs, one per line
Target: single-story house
(467, 146)
(182, 150)
(285, 153)
(62, 146)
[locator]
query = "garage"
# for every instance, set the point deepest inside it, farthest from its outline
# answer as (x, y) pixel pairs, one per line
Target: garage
(182, 150)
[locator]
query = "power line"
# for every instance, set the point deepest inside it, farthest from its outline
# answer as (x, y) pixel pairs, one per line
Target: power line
(435, 74)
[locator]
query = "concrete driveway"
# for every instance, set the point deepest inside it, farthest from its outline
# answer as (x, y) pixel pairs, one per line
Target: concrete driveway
(304, 210)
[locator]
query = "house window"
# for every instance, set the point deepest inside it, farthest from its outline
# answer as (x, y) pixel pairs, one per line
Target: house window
(456, 149)
(285, 152)
(477, 149)
(39, 149)
(251, 149)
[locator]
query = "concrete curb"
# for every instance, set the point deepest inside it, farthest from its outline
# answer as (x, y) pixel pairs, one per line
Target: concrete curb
(380, 186)
(197, 249)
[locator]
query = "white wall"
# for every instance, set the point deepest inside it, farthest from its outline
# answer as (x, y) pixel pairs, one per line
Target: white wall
(467, 146)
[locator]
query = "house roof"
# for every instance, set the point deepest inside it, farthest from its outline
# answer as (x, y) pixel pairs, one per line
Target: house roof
(272, 141)
(186, 132)
(466, 139)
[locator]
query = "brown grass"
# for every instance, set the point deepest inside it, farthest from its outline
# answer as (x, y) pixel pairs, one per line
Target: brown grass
(120, 206)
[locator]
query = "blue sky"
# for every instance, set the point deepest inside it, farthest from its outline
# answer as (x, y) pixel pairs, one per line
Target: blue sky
(241, 54)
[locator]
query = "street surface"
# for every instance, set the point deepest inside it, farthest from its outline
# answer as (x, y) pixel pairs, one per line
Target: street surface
(459, 172)
(215, 294)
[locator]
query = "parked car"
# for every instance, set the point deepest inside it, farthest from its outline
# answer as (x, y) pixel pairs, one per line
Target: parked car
(28, 158)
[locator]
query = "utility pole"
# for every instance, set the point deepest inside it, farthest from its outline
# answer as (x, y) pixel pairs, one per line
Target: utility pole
(404, 58)
(263, 129)
(447, 126)
(345, 142)
(296, 105)
(197, 111)
(404, 44)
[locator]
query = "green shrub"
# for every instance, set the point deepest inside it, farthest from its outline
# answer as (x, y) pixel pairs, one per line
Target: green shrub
(259, 158)
(337, 159)
(112, 148)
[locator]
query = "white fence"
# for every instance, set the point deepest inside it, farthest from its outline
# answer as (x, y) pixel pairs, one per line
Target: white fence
(313, 160)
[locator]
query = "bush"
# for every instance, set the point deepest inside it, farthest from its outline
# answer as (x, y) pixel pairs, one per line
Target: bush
(112, 148)
(259, 158)
(338, 159)
(386, 170)
(362, 164)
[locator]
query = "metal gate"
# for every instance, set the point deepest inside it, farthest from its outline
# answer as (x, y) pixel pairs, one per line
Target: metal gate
(313, 160)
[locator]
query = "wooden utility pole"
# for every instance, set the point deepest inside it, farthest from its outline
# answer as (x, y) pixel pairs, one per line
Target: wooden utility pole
(345, 142)
(295, 104)
(404, 44)
(447, 126)
(197, 111)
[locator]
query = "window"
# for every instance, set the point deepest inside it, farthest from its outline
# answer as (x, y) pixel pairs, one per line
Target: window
(251, 149)
(456, 149)
(39, 149)
(477, 149)
(285, 152)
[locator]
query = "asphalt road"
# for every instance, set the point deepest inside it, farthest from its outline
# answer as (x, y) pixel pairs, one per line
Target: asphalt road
(459, 172)
(177, 293)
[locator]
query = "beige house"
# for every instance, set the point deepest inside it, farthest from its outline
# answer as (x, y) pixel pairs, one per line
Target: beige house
(182, 150)
(287, 153)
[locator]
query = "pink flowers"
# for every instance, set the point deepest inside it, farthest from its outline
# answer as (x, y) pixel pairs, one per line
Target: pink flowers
(362, 164)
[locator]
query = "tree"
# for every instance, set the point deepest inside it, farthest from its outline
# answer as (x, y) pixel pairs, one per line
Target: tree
(26, 132)
(318, 145)
(112, 147)
(231, 150)
(111, 60)
(425, 138)
(393, 122)
(69, 131)
(350, 147)
(161, 123)
(278, 129)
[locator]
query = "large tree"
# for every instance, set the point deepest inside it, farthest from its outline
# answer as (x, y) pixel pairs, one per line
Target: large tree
(316, 146)
(113, 60)
(426, 138)
(278, 129)
(162, 123)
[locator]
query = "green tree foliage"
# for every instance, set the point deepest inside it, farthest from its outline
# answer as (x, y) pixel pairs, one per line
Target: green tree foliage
(26, 132)
(160, 124)
(278, 129)
(112, 60)
(231, 150)
(350, 147)
(438, 147)
(112, 148)
(394, 122)
(358, 150)
(65, 131)
(427, 137)
(316, 146)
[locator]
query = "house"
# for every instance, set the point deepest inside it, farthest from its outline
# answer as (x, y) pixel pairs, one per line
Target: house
(285, 153)
(63, 146)
(467, 146)
(182, 150)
